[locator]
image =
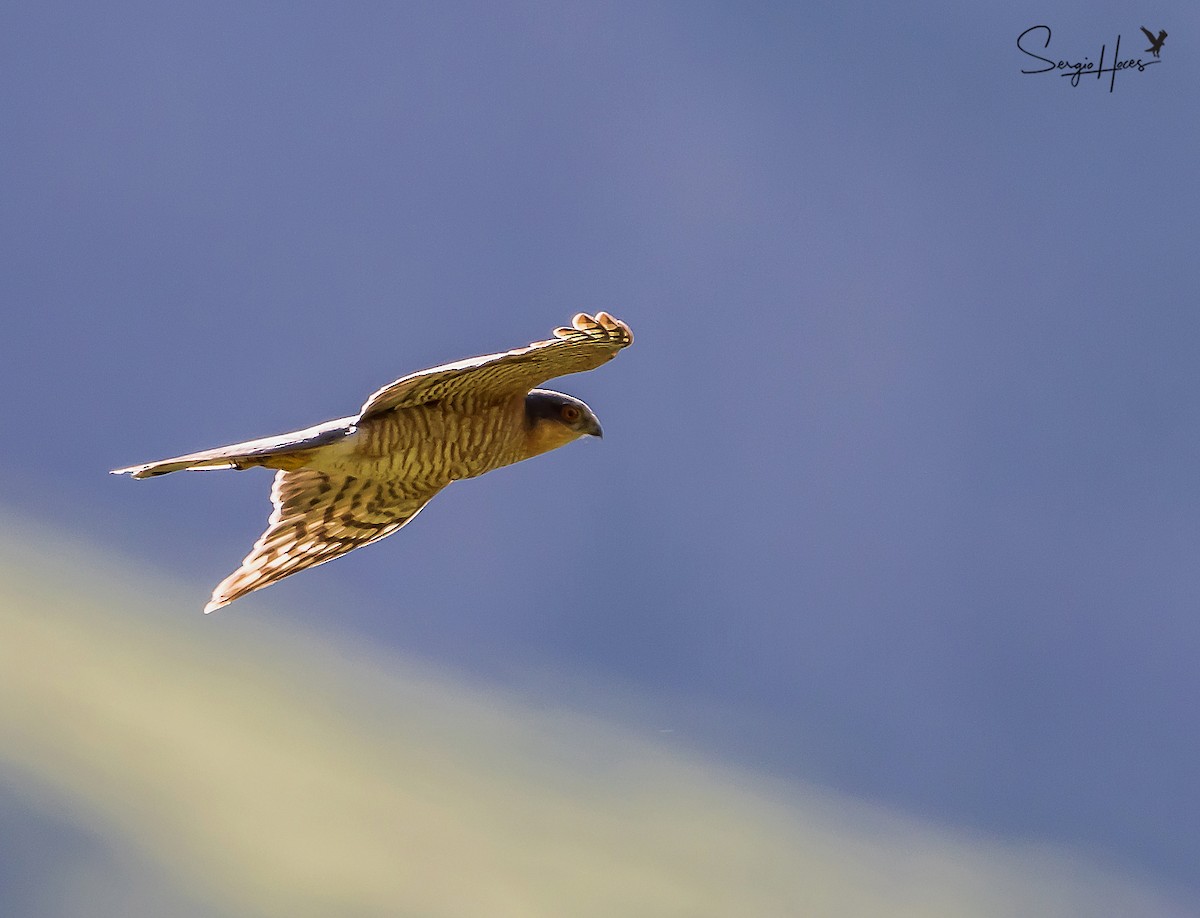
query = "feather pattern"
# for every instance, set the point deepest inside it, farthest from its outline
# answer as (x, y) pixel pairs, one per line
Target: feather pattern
(586, 344)
(317, 517)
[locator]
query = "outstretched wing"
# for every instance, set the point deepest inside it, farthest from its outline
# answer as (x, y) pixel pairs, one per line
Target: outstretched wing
(1150, 36)
(317, 517)
(588, 343)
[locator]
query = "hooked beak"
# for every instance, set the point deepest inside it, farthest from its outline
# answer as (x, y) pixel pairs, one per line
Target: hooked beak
(593, 429)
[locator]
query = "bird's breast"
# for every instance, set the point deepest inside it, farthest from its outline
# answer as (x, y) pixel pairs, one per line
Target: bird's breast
(433, 445)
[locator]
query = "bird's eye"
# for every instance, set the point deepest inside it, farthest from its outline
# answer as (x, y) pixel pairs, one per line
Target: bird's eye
(571, 413)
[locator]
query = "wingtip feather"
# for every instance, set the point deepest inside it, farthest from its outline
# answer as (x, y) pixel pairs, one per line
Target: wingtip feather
(602, 324)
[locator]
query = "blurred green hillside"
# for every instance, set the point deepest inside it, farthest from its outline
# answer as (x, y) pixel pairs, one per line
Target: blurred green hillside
(193, 765)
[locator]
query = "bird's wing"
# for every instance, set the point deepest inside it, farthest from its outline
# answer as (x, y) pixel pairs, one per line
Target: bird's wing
(317, 517)
(1150, 35)
(589, 342)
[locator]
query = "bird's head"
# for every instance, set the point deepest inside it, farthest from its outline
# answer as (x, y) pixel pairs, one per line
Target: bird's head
(553, 419)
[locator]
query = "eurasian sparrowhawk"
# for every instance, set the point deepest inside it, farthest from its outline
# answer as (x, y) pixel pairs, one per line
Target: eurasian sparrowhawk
(348, 482)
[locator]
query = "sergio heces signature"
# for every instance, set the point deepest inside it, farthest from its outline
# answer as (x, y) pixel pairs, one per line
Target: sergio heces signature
(1086, 67)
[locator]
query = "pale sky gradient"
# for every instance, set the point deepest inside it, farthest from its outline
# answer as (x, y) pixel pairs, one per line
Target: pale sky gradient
(295, 774)
(898, 490)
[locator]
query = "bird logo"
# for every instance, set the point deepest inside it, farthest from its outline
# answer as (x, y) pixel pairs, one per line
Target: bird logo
(1155, 43)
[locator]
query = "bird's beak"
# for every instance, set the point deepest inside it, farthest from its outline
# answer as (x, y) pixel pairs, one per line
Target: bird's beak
(593, 429)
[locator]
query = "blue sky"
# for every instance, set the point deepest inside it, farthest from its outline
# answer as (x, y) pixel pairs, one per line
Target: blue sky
(898, 491)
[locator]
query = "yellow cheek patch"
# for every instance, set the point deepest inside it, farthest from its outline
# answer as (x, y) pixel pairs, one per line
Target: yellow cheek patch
(547, 435)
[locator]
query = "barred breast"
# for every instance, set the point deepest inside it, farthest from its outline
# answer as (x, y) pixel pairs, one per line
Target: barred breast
(429, 446)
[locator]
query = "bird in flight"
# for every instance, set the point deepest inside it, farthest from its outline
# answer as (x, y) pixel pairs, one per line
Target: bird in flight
(352, 481)
(1155, 43)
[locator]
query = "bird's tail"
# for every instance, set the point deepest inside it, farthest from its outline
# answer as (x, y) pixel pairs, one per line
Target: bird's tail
(286, 451)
